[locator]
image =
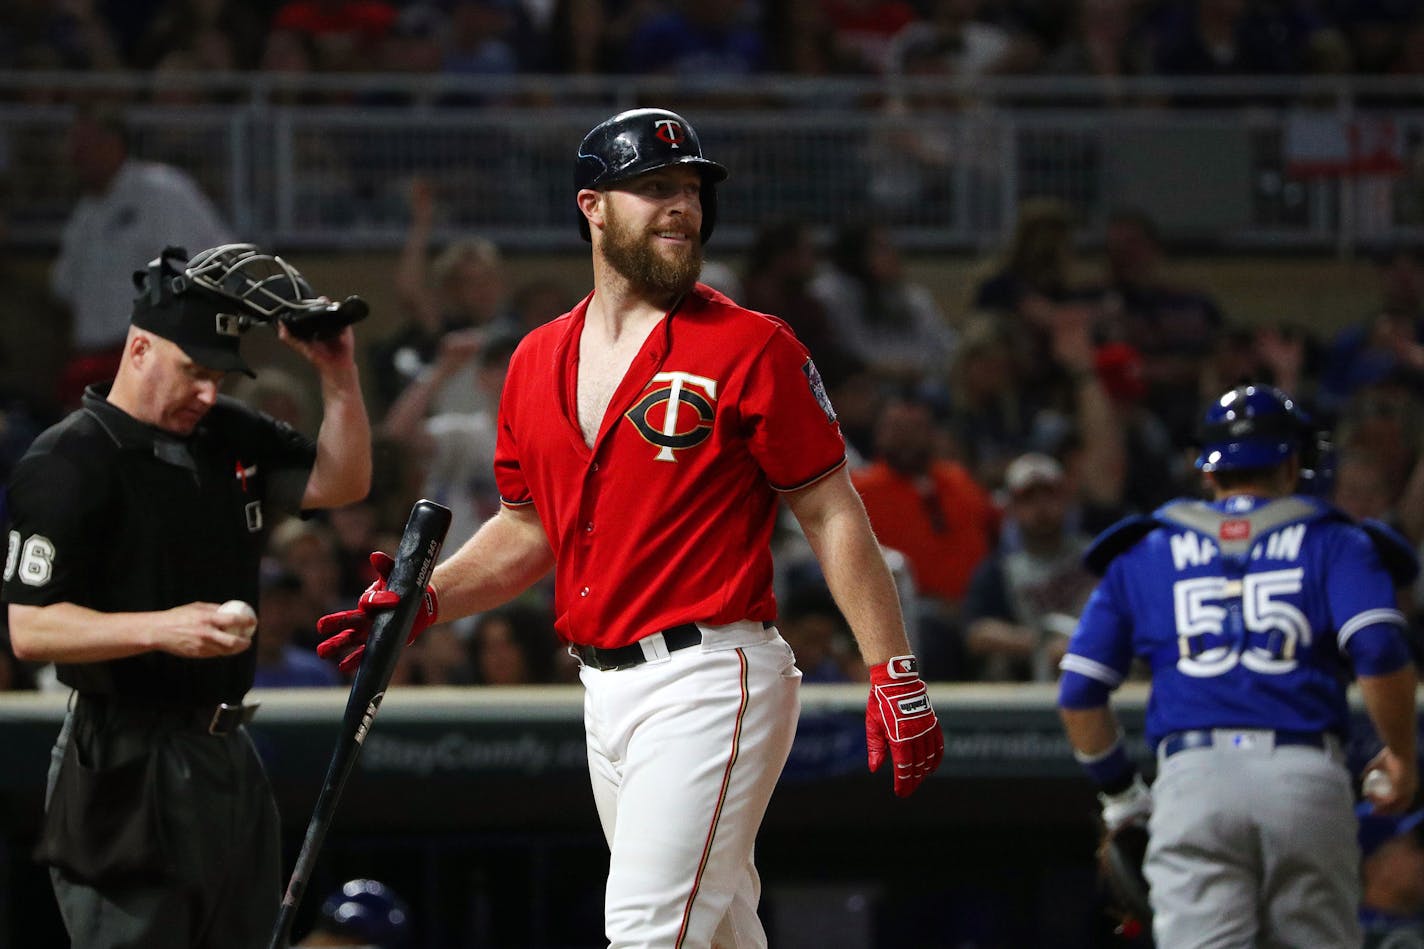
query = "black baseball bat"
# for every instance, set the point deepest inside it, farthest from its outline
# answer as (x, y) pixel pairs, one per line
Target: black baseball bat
(414, 561)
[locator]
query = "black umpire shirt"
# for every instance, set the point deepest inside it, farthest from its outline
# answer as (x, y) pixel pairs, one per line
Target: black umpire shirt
(118, 516)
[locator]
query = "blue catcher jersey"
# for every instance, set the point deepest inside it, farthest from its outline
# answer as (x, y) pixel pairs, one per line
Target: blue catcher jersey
(1246, 611)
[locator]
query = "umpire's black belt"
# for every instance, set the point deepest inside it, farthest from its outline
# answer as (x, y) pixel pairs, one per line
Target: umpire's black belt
(220, 719)
(635, 654)
(1245, 738)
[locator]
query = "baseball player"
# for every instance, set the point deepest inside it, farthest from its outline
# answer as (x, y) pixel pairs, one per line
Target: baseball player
(645, 440)
(1252, 610)
(131, 520)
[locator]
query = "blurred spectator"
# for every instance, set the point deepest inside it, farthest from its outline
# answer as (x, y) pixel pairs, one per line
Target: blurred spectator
(307, 549)
(357, 530)
(514, 645)
(877, 312)
(281, 395)
(1091, 436)
(1409, 59)
(346, 35)
(536, 302)
(780, 265)
(417, 40)
(364, 913)
(1033, 284)
(462, 290)
(591, 36)
(814, 627)
(481, 41)
(954, 41)
(862, 32)
(217, 34)
(992, 411)
(920, 166)
(439, 657)
(932, 511)
(722, 278)
(287, 51)
(1236, 38)
(1392, 879)
(1155, 469)
(282, 616)
(1172, 327)
(1384, 420)
(128, 212)
(699, 39)
(1103, 43)
(1023, 604)
(455, 449)
(32, 348)
(1036, 267)
(1373, 28)
(1390, 339)
(61, 35)
(1361, 488)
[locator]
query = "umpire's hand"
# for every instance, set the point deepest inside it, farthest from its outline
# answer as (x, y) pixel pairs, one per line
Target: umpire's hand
(199, 631)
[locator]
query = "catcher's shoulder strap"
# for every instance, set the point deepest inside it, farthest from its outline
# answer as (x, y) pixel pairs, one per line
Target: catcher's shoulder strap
(1396, 553)
(1236, 533)
(1117, 539)
(1233, 533)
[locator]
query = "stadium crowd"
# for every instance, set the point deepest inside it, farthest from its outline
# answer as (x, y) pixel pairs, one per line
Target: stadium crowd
(987, 450)
(737, 38)
(987, 447)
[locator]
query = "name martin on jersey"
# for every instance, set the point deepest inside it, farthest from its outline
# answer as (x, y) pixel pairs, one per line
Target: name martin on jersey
(1190, 549)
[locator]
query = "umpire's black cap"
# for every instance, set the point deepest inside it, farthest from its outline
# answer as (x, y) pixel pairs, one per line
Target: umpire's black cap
(199, 322)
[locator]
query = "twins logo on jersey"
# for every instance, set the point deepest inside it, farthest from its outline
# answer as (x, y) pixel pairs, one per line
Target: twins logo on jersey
(677, 414)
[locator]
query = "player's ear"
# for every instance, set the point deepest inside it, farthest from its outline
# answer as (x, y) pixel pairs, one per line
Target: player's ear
(590, 202)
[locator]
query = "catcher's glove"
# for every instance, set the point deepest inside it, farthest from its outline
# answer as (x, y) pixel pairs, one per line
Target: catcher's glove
(1120, 856)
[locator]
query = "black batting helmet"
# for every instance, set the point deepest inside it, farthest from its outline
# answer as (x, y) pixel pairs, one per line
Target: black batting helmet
(641, 140)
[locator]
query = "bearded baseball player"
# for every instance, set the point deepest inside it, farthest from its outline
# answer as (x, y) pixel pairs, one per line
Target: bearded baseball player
(1252, 611)
(645, 440)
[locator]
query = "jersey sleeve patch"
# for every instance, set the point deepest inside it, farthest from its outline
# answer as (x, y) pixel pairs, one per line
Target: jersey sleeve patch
(818, 389)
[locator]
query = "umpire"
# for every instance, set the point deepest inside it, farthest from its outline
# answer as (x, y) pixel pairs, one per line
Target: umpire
(131, 520)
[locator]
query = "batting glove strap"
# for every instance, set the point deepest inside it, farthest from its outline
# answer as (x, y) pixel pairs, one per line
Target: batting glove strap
(349, 628)
(900, 719)
(1133, 806)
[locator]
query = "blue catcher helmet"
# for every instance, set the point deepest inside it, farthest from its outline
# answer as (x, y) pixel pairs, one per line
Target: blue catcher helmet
(367, 910)
(1250, 427)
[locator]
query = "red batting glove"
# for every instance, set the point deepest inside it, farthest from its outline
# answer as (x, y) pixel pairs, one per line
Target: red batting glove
(899, 714)
(351, 627)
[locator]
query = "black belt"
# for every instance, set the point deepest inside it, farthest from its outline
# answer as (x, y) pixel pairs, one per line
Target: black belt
(626, 657)
(220, 719)
(1205, 738)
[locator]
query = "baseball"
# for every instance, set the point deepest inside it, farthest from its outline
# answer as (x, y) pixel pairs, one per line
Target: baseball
(244, 610)
(1377, 782)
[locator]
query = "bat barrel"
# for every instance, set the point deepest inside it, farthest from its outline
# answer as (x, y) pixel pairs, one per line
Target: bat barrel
(414, 562)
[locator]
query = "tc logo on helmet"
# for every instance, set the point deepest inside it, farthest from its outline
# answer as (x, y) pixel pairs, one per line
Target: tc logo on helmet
(669, 131)
(679, 428)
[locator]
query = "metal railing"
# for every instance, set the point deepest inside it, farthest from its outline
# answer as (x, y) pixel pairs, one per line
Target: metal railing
(325, 161)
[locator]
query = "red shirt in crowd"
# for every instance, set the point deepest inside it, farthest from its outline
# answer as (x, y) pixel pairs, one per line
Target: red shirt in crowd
(944, 531)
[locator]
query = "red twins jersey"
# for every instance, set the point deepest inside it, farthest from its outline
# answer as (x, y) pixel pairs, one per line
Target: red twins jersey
(668, 518)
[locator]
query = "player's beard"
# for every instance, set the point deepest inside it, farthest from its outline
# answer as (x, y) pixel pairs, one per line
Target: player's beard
(633, 255)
